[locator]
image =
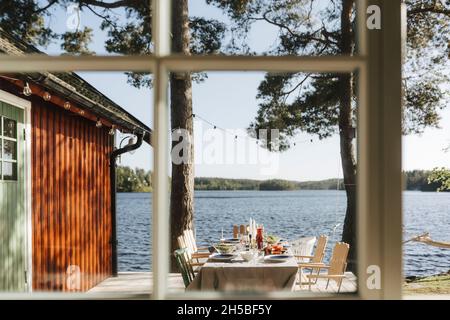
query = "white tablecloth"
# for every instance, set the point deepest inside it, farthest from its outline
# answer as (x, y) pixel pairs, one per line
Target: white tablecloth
(239, 275)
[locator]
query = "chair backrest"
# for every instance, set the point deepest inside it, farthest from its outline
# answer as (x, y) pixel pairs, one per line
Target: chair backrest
(242, 230)
(319, 254)
(338, 261)
(235, 231)
(184, 266)
(303, 247)
(190, 240)
(181, 242)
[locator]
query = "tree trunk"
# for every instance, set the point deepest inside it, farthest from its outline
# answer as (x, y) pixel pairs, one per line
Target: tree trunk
(182, 185)
(346, 133)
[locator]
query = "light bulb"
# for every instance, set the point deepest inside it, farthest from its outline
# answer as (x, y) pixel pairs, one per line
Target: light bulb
(81, 112)
(112, 131)
(67, 105)
(47, 96)
(98, 124)
(27, 90)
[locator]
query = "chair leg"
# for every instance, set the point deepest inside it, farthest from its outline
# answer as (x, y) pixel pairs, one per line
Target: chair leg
(339, 287)
(301, 278)
(318, 272)
(328, 282)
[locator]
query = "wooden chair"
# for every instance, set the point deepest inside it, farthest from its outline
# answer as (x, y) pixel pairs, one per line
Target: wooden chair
(319, 253)
(182, 244)
(184, 266)
(314, 260)
(303, 247)
(336, 268)
(192, 244)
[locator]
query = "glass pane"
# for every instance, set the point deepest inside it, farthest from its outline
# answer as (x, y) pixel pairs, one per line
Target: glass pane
(270, 27)
(9, 150)
(9, 170)
(9, 128)
(77, 28)
(426, 147)
(77, 141)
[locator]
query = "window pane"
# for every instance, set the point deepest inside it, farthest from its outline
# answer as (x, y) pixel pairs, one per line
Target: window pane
(9, 128)
(9, 170)
(426, 147)
(269, 27)
(266, 147)
(66, 27)
(75, 114)
(9, 150)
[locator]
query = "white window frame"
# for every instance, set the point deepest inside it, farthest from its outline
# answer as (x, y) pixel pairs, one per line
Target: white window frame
(25, 105)
(379, 134)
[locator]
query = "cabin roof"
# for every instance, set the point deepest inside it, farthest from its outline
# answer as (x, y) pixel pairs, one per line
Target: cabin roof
(74, 88)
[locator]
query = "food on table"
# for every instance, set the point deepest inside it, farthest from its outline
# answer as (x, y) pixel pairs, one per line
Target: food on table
(277, 249)
(272, 239)
(224, 247)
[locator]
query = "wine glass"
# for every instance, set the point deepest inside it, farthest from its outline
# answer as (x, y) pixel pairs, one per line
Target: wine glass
(255, 253)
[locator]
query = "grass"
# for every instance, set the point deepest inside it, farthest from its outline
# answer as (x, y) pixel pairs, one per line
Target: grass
(439, 284)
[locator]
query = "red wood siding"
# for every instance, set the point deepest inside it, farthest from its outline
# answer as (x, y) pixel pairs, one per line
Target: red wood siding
(71, 199)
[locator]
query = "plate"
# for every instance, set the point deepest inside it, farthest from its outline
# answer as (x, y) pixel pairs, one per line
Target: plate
(231, 240)
(224, 257)
(277, 258)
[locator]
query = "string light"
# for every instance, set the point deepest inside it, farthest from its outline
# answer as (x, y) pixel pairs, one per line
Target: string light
(112, 131)
(47, 96)
(236, 137)
(67, 105)
(27, 90)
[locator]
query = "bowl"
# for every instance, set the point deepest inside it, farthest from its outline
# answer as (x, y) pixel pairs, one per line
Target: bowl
(247, 255)
(224, 248)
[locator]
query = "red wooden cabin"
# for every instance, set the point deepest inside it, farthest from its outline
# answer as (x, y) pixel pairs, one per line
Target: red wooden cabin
(57, 192)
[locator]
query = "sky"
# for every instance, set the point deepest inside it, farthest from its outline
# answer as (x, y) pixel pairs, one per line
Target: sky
(227, 100)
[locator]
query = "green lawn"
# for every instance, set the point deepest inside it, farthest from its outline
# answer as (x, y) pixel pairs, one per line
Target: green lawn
(429, 285)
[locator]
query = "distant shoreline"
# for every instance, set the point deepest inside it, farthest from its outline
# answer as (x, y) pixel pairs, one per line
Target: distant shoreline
(139, 180)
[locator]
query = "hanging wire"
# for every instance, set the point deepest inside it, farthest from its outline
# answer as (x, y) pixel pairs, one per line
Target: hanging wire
(232, 133)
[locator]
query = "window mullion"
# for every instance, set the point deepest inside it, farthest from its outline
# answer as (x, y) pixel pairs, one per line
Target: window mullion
(160, 141)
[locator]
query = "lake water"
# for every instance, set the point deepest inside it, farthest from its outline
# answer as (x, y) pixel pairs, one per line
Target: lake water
(290, 214)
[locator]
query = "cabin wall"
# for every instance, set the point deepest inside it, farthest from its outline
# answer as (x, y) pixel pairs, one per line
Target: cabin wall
(71, 204)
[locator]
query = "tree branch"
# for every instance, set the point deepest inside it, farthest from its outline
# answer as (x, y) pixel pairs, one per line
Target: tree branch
(429, 9)
(49, 4)
(297, 85)
(109, 21)
(111, 5)
(289, 30)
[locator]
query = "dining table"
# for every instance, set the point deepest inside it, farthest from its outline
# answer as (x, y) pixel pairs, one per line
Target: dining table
(240, 275)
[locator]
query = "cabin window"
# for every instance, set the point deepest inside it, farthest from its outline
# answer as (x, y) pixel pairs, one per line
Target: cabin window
(9, 149)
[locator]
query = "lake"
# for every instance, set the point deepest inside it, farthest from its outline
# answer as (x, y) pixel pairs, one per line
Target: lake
(290, 214)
